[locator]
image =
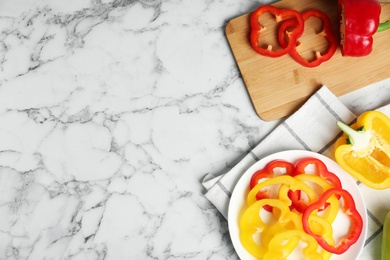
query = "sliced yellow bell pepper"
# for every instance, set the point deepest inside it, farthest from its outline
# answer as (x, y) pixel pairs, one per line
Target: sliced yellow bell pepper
(276, 245)
(251, 225)
(284, 180)
(294, 222)
(364, 149)
(323, 227)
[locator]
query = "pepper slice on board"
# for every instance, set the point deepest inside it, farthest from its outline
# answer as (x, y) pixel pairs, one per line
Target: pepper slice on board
(365, 154)
(326, 32)
(349, 209)
(269, 171)
(359, 21)
(280, 15)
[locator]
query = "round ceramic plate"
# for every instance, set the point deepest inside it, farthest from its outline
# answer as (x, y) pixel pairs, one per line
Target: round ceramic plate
(241, 190)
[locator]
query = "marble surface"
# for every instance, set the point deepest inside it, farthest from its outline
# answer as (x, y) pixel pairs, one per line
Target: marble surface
(111, 113)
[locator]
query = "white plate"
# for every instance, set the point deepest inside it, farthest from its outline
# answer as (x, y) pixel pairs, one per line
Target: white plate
(241, 190)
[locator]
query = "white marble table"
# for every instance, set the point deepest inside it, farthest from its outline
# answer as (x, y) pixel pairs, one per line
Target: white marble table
(111, 113)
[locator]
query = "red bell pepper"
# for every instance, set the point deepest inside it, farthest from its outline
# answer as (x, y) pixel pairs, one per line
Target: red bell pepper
(320, 170)
(280, 15)
(269, 172)
(348, 208)
(359, 20)
(326, 32)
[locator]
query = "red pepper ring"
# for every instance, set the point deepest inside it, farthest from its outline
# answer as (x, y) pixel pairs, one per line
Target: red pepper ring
(348, 208)
(269, 172)
(320, 170)
(280, 16)
(326, 32)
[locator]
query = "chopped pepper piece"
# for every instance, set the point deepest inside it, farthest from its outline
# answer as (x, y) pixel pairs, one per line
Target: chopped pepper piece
(326, 32)
(359, 21)
(349, 209)
(365, 154)
(280, 15)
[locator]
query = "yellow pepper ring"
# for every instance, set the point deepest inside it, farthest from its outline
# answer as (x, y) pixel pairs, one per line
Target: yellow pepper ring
(293, 184)
(251, 224)
(251, 218)
(332, 210)
(321, 226)
(276, 244)
(294, 222)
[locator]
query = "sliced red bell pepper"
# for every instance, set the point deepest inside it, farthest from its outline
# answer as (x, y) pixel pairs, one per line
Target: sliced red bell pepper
(349, 209)
(321, 170)
(359, 20)
(280, 15)
(326, 32)
(269, 172)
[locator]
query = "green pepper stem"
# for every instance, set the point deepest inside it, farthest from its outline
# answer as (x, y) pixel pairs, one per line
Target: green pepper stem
(360, 138)
(383, 26)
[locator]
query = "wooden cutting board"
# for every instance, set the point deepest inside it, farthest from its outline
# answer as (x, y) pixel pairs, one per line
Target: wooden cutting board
(279, 86)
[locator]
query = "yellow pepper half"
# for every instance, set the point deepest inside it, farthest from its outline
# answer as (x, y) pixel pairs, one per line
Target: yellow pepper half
(364, 149)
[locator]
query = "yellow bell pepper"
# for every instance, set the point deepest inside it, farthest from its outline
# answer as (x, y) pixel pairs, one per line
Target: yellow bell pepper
(364, 149)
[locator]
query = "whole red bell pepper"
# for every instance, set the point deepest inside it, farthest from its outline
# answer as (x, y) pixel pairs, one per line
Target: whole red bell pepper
(359, 20)
(280, 15)
(349, 209)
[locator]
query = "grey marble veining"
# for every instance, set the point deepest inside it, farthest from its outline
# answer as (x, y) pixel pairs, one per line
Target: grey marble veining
(111, 113)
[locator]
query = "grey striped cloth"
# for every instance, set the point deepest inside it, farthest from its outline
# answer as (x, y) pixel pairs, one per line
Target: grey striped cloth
(312, 128)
